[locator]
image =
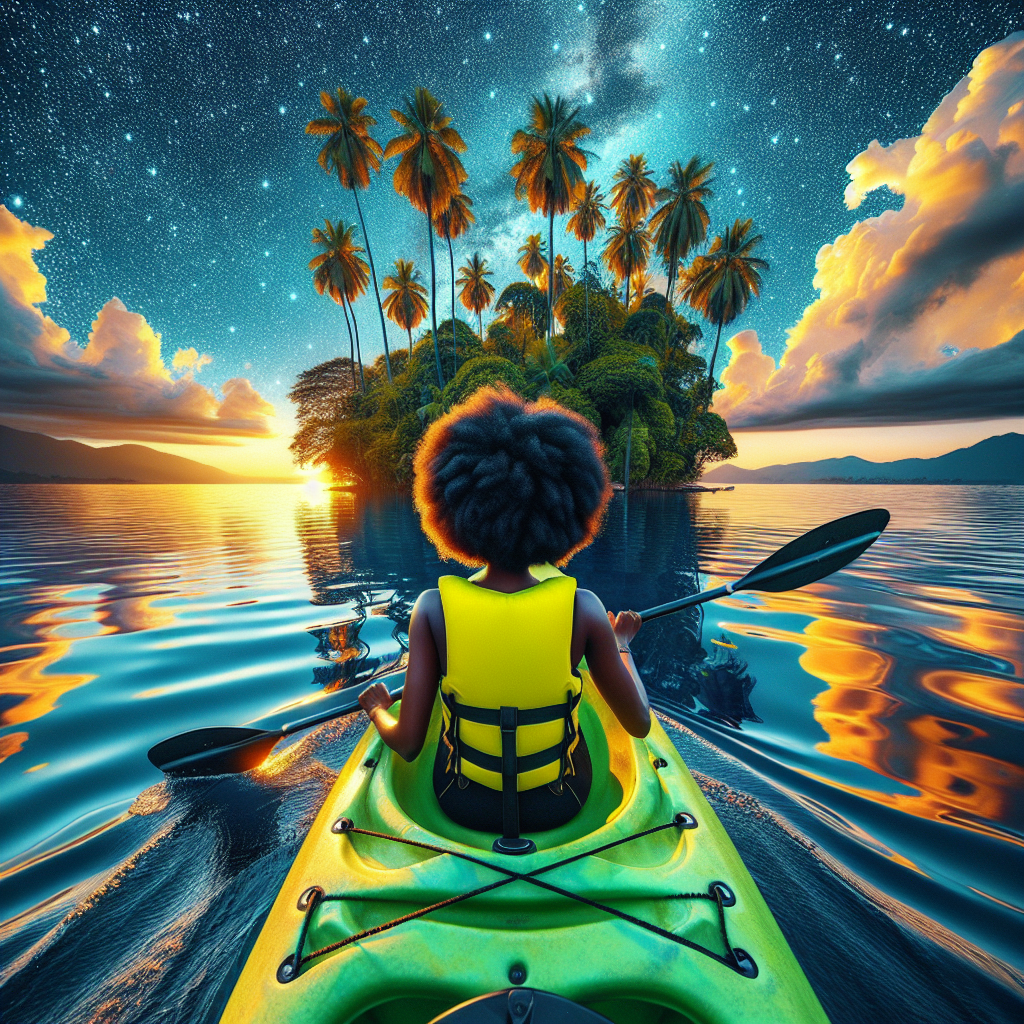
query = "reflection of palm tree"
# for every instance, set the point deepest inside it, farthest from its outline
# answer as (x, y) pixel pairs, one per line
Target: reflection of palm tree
(550, 166)
(429, 174)
(453, 223)
(340, 271)
(587, 219)
(719, 284)
(626, 252)
(352, 152)
(477, 292)
(533, 262)
(634, 190)
(406, 305)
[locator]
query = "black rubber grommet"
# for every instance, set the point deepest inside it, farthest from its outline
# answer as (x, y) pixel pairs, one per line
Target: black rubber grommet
(744, 963)
(342, 825)
(660, 762)
(727, 895)
(684, 820)
(370, 763)
(307, 896)
(513, 847)
(287, 971)
(517, 974)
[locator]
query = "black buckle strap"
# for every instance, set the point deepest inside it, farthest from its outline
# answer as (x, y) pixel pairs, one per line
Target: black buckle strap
(509, 774)
(526, 763)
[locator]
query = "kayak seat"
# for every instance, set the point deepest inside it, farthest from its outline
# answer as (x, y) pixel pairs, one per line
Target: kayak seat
(614, 783)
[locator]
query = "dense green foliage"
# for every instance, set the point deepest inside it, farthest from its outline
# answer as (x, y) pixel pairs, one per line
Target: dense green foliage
(635, 364)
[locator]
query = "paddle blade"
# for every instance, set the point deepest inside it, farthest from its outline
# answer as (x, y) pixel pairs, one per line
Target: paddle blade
(818, 553)
(216, 751)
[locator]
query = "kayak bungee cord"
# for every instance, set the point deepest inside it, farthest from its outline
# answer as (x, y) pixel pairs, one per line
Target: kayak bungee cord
(719, 893)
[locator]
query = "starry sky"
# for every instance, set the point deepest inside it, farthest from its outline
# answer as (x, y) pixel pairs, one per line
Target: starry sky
(164, 146)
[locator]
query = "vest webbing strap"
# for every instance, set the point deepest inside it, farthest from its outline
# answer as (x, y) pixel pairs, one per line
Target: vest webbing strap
(509, 766)
(509, 771)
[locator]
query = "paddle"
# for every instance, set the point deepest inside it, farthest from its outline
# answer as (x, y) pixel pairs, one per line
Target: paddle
(819, 553)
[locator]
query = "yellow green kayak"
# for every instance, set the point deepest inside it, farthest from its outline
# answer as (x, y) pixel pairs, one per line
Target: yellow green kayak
(637, 911)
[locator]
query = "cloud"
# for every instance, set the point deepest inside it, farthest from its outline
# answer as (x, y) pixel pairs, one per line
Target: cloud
(117, 386)
(920, 316)
(190, 360)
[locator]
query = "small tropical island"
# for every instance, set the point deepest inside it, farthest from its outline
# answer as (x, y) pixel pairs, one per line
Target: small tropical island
(604, 344)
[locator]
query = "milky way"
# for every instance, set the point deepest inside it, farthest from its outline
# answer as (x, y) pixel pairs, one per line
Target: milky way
(164, 147)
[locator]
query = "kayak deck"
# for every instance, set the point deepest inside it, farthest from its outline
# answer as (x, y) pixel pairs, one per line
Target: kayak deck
(620, 911)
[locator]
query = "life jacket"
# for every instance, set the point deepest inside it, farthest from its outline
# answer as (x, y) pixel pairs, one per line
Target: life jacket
(509, 668)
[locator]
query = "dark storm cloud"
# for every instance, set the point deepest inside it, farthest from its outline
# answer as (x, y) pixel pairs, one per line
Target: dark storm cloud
(979, 385)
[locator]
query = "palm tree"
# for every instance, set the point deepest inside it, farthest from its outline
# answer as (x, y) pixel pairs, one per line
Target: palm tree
(352, 153)
(429, 173)
(341, 272)
(681, 222)
(587, 219)
(477, 292)
(626, 252)
(634, 191)
(719, 284)
(453, 223)
(406, 303)
(546, 369)
(562, 274)
(533, 261)
(642, 280)
(551, 165)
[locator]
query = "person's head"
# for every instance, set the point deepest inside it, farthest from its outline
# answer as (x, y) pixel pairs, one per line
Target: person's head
(509, 482)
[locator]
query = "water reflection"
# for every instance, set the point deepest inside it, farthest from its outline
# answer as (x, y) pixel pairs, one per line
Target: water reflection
(889, 698)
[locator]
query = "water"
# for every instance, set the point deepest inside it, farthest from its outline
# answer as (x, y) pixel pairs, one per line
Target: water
(860, 738)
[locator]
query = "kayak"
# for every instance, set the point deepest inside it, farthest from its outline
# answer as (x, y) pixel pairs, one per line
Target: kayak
(638, 910)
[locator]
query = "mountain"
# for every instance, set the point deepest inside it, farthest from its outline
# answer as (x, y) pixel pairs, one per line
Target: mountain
(996, 460)
(36, 458)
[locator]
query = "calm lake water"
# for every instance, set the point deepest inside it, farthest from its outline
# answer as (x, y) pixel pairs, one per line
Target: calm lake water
(861, 739)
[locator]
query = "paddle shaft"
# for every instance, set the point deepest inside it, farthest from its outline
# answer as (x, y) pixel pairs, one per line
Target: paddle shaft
(753, 580)
(749, 582)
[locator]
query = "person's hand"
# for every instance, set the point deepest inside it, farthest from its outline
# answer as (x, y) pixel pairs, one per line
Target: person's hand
(625, 626)
(375, 697)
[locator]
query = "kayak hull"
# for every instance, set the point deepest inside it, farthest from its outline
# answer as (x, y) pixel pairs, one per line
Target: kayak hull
(543, 936)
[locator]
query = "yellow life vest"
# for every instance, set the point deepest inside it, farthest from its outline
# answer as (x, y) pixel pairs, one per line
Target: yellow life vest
(510, 651)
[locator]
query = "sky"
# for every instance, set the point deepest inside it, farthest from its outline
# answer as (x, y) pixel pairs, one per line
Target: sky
(163, 149)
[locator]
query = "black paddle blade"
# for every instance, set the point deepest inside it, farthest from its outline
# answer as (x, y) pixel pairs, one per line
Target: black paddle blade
(818, 553)
(216, 751)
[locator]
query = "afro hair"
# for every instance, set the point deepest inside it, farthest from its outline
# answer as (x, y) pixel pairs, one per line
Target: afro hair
(510, 482)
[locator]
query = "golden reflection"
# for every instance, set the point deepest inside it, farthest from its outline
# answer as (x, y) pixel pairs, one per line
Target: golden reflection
(135, 546)
(877, 712)
(1001, 697)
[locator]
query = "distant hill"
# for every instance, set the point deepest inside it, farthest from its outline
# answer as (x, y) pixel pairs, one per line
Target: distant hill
(37, 458)
(996, 460)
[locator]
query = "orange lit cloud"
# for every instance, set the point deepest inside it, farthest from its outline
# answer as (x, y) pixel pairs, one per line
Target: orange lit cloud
(118, 386)
(920, 316)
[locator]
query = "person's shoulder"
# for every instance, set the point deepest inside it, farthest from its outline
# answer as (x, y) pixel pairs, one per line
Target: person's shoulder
(589, 603)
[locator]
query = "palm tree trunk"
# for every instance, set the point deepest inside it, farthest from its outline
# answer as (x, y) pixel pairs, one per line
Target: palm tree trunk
(451, 262)
(551, 270)
(433, 290)
(359, 354)
(627, 295)
(373, 277)
(586, 293)
(351, 344)
(711, 369)
(480, 321)
(408, 331)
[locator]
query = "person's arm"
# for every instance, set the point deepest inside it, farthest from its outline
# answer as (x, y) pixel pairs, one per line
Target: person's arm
(407, 734)
(611, 663)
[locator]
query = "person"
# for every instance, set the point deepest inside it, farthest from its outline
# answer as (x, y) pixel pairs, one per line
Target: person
(509, 484)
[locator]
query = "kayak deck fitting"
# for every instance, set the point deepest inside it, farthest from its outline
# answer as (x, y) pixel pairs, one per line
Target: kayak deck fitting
(639, 909)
